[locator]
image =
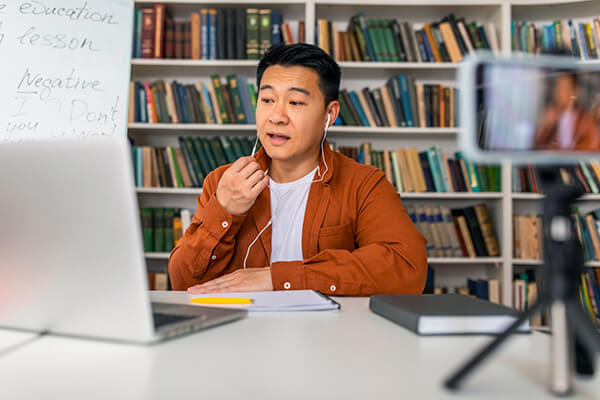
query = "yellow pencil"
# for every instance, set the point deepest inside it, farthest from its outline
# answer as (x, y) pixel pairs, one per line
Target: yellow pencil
(221, 300)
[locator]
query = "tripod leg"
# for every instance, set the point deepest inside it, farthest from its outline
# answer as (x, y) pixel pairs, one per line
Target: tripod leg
(583, 328)
(457, 377)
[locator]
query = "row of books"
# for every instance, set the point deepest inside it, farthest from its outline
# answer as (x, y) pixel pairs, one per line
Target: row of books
(158, 281)
(458, 232)
(485, 289)
(209, 33)
(187, 165)
(526, 289)
(586, 175)
(229, 102)
(581, 40)
(430, 170)
(400, 103)
(587, 227)
(392, 40)
(162, 228)
(528, 237)
(528, 234)
(589, 294)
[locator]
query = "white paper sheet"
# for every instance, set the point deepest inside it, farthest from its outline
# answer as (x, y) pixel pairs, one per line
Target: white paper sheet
(290, 300)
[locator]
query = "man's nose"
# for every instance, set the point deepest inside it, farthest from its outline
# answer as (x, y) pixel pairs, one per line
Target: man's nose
(279, 114)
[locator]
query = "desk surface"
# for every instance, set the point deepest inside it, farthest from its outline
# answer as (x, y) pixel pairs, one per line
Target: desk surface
(350, 354)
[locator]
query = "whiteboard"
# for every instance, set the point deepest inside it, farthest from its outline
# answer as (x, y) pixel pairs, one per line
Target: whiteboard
(64, 68)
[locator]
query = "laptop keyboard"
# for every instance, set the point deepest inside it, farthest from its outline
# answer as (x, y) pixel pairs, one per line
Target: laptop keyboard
(161, 319)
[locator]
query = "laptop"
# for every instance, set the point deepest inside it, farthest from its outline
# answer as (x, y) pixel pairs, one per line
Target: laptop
(71, 252)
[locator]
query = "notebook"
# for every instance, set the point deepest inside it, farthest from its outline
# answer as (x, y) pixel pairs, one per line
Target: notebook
(445, 314)
(289, 300)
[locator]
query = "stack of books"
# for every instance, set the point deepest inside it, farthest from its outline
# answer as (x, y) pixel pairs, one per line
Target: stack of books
(458, 232)
(209, 34)
(430, 170)
(448, 40)
(401, 103)
(579, 39)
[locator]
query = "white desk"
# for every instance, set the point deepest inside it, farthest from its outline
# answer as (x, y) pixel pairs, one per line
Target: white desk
(350, 354)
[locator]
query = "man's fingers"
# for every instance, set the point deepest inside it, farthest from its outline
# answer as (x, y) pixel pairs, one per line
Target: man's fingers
(256, 177)
(260, 186)
(241, 163)
(249, 169)
(230, 288)
(218, 282)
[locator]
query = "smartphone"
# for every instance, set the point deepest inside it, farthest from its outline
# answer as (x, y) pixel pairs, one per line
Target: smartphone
(529, 109)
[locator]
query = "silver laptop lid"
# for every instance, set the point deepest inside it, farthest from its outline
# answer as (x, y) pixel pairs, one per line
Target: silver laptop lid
(71, 256)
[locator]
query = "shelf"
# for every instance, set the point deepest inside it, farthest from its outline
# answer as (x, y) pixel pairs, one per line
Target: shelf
(165, 128)
(176, 129)
(538, 196)
(410, 2)
(524, 261)
(186, 63)
(521, 3)
(162, 62)
(452, 196)
(538, 263)
(219, 2)
(157, 256)
(386, 131)
(183, 191)
(464, 260)
(397, 65)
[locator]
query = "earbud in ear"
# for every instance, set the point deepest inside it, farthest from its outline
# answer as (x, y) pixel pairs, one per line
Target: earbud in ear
(328, 119)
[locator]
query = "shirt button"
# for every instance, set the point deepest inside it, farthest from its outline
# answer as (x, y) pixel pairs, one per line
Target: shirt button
(225, 224)
(213, 257)
(287, 285)
(332, 288)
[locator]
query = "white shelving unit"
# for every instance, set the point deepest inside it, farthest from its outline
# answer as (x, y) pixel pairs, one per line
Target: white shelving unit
(356, 75)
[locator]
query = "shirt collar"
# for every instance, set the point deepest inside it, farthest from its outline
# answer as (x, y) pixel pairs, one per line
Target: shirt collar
(263, 159)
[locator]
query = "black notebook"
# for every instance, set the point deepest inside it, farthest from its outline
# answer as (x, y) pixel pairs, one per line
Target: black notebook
(445, 314)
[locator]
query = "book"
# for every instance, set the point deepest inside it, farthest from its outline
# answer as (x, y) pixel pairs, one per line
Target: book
(446, 314)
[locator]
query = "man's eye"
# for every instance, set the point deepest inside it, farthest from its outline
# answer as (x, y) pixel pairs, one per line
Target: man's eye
(266, 100)
(296, 103)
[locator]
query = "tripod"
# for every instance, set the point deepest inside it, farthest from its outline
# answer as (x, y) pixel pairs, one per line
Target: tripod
(563, 266)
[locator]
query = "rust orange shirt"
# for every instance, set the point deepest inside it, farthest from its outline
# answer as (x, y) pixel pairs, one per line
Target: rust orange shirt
(357, 239)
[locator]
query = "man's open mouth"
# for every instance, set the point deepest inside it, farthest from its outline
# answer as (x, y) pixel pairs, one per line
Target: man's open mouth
(278, 136)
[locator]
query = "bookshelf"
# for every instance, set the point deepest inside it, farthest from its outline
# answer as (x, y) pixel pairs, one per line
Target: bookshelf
(356, 75)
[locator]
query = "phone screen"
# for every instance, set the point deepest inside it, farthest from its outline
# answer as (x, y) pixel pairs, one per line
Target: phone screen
(523, 107)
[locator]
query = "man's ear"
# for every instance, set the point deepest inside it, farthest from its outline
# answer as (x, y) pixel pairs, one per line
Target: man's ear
(333, 109)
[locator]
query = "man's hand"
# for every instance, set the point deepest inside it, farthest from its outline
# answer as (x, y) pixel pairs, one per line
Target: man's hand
(242, 280)
(240, 185)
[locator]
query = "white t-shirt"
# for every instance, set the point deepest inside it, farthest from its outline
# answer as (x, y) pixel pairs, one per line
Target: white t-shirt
(288, 205)
(566, 129)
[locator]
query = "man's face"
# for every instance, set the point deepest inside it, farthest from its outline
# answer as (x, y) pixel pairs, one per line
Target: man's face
(564, 91)
(290, 113)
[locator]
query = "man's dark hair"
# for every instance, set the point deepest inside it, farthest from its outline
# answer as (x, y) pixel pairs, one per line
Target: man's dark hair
(304, 55)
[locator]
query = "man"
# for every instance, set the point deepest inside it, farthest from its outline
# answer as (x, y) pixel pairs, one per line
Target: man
(565, 123)
(298, 215)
